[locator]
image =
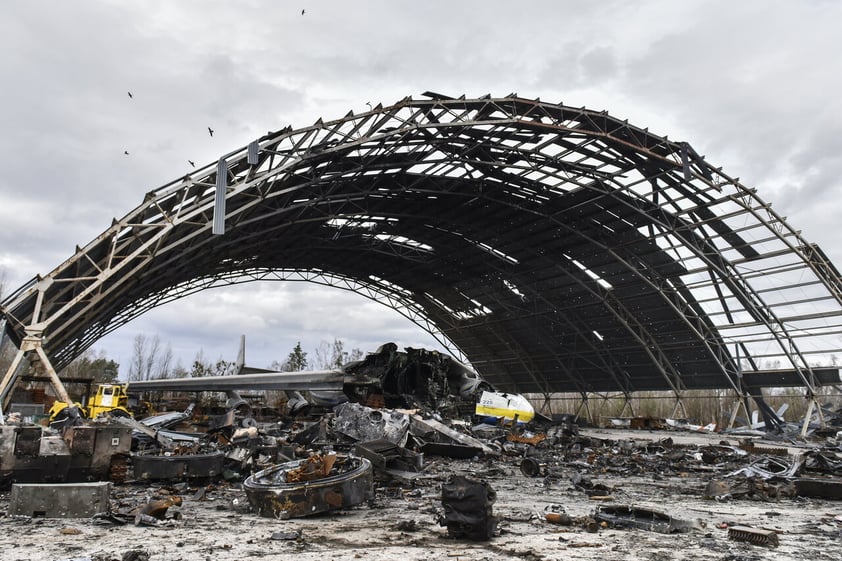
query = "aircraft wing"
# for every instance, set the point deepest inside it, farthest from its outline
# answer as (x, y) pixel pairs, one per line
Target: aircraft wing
(319, 380)
(253, 370)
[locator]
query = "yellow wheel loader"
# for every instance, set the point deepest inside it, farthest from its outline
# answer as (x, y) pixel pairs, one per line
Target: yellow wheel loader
(109, 398)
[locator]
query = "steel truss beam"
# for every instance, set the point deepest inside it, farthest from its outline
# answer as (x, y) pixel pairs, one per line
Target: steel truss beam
(555, 248)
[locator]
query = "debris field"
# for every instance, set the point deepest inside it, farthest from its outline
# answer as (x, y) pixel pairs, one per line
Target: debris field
(563, 493)
(416, 463)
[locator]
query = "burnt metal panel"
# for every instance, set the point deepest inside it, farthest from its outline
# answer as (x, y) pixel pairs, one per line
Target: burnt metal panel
(790, 378)
(189, 466)
(28, 441)
(64, 500)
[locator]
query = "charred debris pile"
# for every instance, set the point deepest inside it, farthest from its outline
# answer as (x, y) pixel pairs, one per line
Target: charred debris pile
(402, 425)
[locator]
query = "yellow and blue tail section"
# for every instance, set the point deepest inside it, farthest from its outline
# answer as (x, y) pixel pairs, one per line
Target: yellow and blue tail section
(507, 406)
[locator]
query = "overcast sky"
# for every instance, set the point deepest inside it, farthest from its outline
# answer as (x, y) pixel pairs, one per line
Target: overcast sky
(752, 85)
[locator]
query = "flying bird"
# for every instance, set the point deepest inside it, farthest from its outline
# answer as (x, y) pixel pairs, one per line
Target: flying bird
(302, 12)
(126, 152)
(130, 95)
(210, 130)
(191, 163)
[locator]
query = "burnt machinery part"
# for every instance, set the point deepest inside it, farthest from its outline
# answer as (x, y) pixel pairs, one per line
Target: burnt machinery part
(467, 508)
(152, 467)
(349, 483)
(756, 536)
(531, 467)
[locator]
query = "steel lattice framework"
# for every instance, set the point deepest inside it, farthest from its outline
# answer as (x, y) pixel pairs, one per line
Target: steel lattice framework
(555, 248)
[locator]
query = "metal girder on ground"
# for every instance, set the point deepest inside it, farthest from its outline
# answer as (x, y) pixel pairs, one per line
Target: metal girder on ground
(554, 248)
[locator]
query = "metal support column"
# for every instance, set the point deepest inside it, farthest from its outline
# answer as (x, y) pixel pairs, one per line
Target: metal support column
(679, 404)
(31, 343)
(584, 405)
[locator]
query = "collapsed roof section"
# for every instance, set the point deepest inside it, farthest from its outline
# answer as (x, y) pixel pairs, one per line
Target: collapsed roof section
(555, 248)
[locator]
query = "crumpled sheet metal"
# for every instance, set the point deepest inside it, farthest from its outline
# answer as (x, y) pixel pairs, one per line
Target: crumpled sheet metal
(442, 440)
(828, 461)
(770, 467)
(385, 456)
(366, 424)
(348, 484)
(756, 488)
(625, 516)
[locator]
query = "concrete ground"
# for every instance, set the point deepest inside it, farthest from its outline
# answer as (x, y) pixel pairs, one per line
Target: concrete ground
(401, 523)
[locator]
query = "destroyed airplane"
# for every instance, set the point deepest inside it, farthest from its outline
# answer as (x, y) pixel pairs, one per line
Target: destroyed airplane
(413, 378)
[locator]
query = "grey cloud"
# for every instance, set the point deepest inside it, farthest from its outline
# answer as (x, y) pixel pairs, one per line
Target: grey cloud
(274, 316)
(579, 66)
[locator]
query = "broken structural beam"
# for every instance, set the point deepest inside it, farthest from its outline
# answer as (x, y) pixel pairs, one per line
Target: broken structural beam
(424, 428)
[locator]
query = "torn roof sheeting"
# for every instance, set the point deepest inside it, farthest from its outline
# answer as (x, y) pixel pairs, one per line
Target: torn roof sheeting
(555, 248)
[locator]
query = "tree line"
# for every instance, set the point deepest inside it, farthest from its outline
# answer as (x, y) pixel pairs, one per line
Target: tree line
(152, 360)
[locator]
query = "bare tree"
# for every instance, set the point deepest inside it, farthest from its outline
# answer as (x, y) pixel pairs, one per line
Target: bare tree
(356, 354)
(162, 365)
(178, 371)
(204, 367)
(7, 348)
(329, 356)
(149, 360)
(7, 351)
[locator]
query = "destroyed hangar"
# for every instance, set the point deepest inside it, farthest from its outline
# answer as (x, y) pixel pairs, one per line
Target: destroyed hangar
(555, 249)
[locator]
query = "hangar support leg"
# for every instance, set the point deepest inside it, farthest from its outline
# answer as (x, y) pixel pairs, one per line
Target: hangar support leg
(812, 405)
(627, 402)
(740, 402)
(679, 405)
(31, 347)
(584, 404)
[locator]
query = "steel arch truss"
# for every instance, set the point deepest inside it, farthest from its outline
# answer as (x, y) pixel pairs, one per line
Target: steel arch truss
(556, 248)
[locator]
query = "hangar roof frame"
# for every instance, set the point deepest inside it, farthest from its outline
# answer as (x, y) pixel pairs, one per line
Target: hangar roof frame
(554, 248)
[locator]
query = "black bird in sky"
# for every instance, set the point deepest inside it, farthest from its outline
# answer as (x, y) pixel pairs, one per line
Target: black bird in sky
(191, 163)
(210, 130)
(302, 12)
(130, 95)
(126, 152)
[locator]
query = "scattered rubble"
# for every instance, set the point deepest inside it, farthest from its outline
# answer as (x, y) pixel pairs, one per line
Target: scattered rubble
(534, 517)
(386, 479)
